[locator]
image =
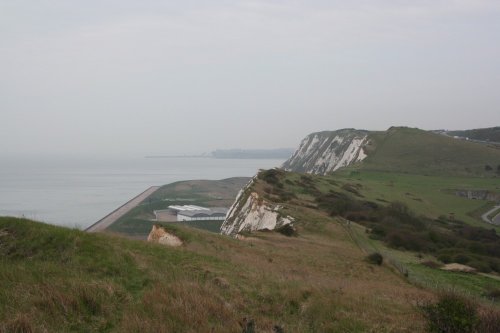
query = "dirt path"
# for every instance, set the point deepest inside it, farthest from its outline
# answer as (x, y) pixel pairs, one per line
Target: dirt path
(119, 212)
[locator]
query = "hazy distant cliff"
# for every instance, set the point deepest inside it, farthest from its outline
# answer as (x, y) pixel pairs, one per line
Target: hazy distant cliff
(324, 152)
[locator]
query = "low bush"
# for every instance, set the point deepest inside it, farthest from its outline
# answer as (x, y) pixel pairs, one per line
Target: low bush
(493, 294)
(287, 230)
(451, 314)
(375, 258)
(431, 264)
(272, 177)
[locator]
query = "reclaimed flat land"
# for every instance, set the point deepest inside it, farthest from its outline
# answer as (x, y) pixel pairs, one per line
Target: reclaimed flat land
(137, 223)
(121, 211)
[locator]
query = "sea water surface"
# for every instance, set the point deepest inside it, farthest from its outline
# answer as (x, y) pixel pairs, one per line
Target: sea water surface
(77, 192)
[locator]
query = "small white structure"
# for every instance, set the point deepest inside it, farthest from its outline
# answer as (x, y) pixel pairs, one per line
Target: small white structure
(217, 214)
(194, 213)
(186, 208)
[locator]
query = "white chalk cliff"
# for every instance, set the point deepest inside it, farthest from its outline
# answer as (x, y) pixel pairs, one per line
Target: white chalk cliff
(250, 212)
(324, 152)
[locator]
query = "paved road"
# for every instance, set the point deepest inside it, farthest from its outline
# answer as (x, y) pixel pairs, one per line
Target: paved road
(496, 219)
(122, 210)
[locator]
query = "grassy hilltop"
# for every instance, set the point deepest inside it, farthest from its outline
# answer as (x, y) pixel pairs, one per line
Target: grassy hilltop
(412, 150)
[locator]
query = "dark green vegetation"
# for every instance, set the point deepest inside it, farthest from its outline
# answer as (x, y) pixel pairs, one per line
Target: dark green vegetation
(209, 193)
(453, 313)
(416, 224)
(375, 258)
(491, 134)
(448, 239)
(61, 280)
(411, 150)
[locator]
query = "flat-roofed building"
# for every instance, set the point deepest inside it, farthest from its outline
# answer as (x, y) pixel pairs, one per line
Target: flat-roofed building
(218, 214)
(191, 213)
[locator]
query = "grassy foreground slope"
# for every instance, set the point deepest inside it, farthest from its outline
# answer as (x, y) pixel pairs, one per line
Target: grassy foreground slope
(412, 150)
(61, 280)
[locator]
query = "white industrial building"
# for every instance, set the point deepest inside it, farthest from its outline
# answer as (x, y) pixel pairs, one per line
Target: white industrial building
(195, 213)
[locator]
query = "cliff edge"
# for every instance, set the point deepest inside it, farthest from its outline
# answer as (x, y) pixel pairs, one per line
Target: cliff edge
(324, 152)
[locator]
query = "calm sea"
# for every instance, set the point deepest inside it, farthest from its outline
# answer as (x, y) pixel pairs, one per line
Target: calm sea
(78, 192)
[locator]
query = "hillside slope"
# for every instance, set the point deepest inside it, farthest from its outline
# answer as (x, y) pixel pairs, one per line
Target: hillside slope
(61, 280)
(416, 151)
(491, 134)
(409, 218)
(399, 149)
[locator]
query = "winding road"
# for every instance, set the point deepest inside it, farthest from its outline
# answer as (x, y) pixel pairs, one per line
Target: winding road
(496, 219)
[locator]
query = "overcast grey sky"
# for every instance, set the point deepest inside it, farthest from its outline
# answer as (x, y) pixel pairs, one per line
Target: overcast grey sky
(152, 77)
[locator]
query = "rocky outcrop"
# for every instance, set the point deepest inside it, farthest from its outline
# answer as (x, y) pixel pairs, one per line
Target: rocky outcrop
(250, 212)
(478, 195)
(454, 267)
(161, 236)
(324, 152)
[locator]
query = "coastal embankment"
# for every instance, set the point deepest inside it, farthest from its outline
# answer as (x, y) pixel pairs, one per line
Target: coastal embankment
(120, 211)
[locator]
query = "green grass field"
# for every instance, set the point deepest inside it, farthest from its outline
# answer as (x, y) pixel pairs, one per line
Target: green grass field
(431, 196)
(415, 151)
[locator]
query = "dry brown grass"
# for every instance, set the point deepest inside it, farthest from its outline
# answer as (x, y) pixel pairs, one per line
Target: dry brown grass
(340, 287)
(21, 323)
(316, 282)
(182, 306)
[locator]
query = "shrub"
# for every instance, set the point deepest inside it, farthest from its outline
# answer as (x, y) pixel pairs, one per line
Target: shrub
(451, 314)
(493, 294)
(481, 266)
(431, 264)
(461, 258)
(287, 196)
(375, 258)
(271, 176)
(445, 258)
(287, 230)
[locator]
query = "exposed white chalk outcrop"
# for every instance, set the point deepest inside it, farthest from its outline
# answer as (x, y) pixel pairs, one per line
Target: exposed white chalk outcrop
(324, 152)
(250, 212)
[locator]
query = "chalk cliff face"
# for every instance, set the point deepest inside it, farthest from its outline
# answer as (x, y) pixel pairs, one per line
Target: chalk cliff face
(250, 212)
(323, 152)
